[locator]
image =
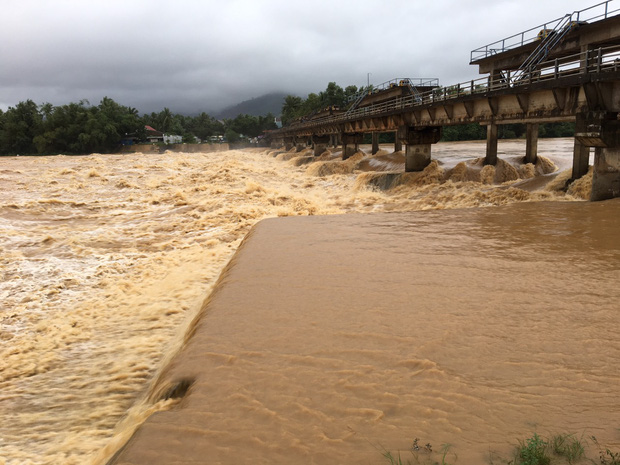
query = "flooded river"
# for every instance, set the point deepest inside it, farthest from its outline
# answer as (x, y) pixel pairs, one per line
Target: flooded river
(106, 259)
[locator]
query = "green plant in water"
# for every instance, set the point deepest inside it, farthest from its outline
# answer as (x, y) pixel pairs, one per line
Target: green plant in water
(426, 451)
(445, 448)
(394, 460)
(607, 457)
(566, 445)
(533, 452)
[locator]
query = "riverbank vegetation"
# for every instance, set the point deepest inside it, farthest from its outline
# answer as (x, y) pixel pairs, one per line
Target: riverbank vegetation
(559, 449)
(81, 128)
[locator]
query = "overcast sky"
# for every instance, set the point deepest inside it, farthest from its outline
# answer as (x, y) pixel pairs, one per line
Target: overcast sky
(203, 55)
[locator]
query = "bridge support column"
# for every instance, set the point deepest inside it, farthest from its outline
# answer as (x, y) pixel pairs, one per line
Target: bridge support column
(418, 149)
(319, 143)
(301, 144)
(417, 157)
(491, 157)
(581, 160)
(531, 143)
(288, 143)
(375, 142)
(601, 130)
(333, 140)
(606, 175)
(398, 145)
(351, 144)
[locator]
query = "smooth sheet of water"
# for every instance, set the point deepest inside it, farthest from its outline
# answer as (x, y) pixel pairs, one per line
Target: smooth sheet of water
(466, 327)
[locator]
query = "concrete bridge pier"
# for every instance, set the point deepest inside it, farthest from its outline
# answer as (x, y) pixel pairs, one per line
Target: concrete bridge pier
(351, 144)
(581, 160)
(418, 145)
(333, 140)
(319, 144)
(581, 151)
(375, 142)
(301, 144)
(398, 145)
(531, 143)
(602, 131)
(606, 175)
(491, 156)
(289, 142)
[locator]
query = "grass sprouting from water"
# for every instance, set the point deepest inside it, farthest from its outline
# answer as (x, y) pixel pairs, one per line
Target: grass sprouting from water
(533, 451)
(568, 446)
(559, 449)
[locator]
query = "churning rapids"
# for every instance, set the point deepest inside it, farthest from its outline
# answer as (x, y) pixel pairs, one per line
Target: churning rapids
(106, 260)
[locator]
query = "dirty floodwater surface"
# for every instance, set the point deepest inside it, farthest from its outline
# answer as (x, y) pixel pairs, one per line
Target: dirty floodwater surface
(457, 327)
(106, 260)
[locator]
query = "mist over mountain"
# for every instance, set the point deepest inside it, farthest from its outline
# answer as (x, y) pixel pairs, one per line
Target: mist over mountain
(259, 106)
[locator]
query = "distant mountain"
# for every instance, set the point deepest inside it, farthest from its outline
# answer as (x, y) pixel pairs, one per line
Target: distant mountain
(259, 106)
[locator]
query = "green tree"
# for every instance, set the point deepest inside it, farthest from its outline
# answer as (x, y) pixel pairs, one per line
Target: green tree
(291, 109)
(20, 125)
(82, 128)
(231, 136)
(333, 95)
(312, 104)
(204, 126)
(350, 91)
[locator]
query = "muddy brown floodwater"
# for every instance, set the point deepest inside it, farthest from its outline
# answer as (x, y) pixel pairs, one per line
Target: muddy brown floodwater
(461, 327)
(106, 259)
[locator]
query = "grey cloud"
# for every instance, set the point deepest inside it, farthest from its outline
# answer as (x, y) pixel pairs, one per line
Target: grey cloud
(196, 56)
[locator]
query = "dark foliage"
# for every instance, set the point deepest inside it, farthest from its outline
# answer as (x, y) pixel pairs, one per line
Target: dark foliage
(81, 128)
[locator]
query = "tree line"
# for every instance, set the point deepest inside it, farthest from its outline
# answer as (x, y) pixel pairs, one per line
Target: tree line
(295, 107)
(81, 128)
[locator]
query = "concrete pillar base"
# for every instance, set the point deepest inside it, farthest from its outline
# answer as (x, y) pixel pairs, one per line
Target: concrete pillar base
(581, 160)
(351, 144)
(375, 142)
(319, 149)
(491, 157)
(606, 176)
(319, 144)
(417, 157)
(419, 141)
(348, 151)
(398, 146)
(531, 143)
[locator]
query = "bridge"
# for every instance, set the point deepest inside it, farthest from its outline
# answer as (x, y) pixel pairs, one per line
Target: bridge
(567, 69)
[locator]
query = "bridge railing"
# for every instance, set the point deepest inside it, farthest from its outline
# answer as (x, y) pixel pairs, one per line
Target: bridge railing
(594, 13)
(592, 61)
(413, 82)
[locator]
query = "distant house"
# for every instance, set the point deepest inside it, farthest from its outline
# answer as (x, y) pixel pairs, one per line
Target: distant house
(278, 122)
(172, 139)
(129, 139)
(153, 135)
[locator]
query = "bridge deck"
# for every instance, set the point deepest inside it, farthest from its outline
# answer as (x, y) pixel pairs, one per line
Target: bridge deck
(556, 93)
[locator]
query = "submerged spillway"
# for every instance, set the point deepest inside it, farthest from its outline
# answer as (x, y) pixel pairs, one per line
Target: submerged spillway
(335, 339)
